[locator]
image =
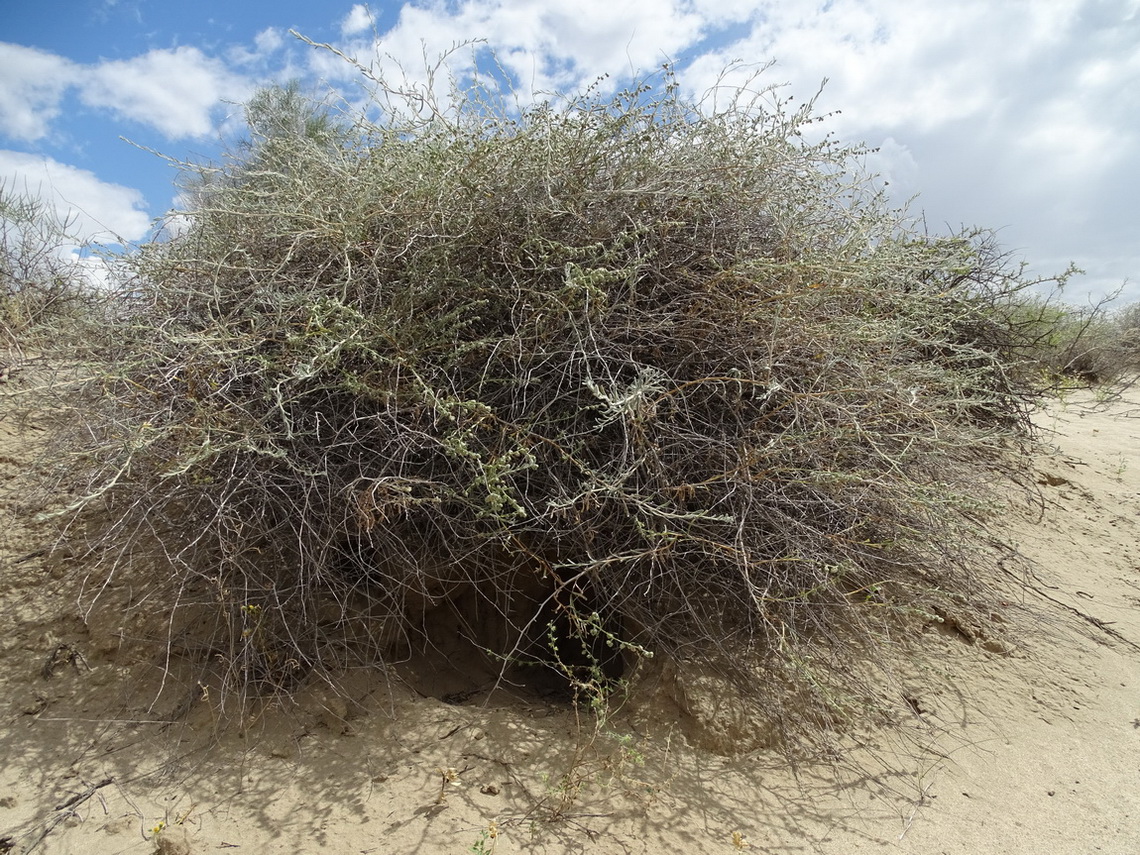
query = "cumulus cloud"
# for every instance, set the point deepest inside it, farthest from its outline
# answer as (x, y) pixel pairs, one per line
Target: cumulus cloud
(1019, 115)
(174, 91)
(32, 85)
(894, 165)
(559, 44)
(269, 40)
(899, 62)
(358, 20)
(95, 210)
(266, 49)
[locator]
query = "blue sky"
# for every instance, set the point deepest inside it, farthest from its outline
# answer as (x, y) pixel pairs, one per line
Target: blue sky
(1023, 115)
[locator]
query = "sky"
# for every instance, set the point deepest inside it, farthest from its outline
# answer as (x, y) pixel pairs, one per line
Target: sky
(1021, 116)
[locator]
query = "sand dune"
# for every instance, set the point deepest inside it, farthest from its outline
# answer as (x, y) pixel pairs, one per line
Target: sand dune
(1027, 744)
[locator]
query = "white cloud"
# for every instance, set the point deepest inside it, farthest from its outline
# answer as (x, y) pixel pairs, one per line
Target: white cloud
(269, 40)
(894, 165)
(267, 45)
(175, 91)
(358, 20)
(1019, 115)
(596, 36)
(32, 84)
(721, 12)
(96, 210)
(893, 63)
(550, 45)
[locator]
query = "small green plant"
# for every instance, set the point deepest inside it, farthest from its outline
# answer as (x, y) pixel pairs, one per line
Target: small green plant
(586, 669)
(602, 757)
(488, 840)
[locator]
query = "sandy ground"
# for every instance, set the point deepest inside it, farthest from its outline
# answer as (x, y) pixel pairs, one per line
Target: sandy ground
(1032, 746)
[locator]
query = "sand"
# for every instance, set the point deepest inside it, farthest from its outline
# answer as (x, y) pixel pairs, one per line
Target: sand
(1027, 745)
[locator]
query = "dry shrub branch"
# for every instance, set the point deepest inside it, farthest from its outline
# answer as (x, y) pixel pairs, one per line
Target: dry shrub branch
(663, 376)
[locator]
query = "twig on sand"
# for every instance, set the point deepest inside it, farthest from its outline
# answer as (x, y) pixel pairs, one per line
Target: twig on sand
(66, 809)
(922, 800)
(1102, 625)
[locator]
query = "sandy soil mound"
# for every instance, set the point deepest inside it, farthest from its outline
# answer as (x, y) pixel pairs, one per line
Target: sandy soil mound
(1022, 745)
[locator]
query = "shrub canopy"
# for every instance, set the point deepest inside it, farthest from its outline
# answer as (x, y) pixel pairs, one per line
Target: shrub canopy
(671, 372)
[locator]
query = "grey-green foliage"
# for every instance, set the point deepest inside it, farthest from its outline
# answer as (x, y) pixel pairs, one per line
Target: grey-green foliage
(678, 364)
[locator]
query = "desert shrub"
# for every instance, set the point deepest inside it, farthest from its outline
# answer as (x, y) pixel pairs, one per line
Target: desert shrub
(41, 283)
(1127, 318)
(1060, 343)
(1126, 330)
(664, 377)
(1092, 348)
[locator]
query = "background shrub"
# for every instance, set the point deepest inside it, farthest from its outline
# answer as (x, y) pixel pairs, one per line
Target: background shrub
(1125, 334)
(1061, 343)
(42, 285)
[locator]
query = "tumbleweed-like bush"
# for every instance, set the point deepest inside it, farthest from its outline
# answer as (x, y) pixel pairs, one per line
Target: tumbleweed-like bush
(605, 376)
